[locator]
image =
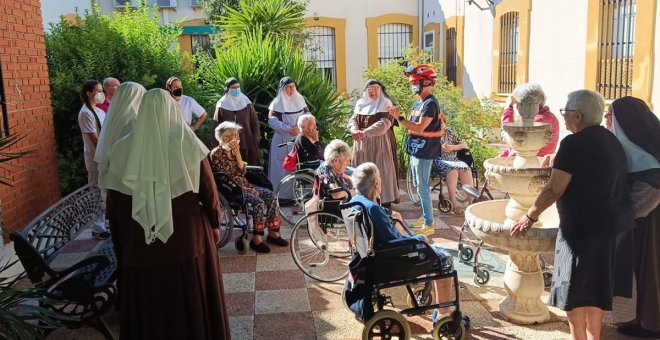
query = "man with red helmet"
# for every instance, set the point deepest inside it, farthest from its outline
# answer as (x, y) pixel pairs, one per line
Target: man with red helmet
(424, 132)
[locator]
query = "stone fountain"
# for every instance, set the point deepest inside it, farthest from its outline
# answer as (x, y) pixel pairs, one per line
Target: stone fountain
(521, 177)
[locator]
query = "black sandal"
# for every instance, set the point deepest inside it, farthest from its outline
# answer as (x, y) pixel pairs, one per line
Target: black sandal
(277, 241)
(260, 248)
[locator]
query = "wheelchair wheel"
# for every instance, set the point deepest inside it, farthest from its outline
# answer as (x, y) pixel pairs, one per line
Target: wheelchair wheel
(465, 253)
(447, 329)
(300, 186)
(226, 222)
(386, 324)
(320, 246)
(481, 276)
(423, 297)
(444, 205)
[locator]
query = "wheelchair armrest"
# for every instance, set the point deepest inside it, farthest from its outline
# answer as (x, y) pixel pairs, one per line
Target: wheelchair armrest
(339, 189)
(256, 168)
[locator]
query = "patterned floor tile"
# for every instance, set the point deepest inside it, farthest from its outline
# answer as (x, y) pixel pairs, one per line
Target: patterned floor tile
(240, 303)
(239, 264)
(294, 326)
(337, 324)
(325, 297)
(242, 327)
(286, 279)
(275, 262)
(281, 301)
(238, 282)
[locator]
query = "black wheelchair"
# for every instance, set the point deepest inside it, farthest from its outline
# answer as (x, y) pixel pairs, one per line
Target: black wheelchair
(236, 212)
(411, 263)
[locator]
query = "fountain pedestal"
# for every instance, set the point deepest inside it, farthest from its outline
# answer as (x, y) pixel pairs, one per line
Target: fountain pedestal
(523, 282)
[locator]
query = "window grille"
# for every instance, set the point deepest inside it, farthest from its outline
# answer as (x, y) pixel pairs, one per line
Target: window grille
(321, 49)
(393, 39)
(429, 44)
(200, 42)
(509, 35)
(616, 48)
(451, 61)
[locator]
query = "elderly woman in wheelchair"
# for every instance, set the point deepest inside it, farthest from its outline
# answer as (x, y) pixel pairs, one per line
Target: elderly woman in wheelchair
(393, 259)
(226, 158)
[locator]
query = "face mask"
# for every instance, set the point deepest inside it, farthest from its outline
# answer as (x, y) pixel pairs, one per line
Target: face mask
(99, 98)
(178, 92)
(235, 92)
(416, 89)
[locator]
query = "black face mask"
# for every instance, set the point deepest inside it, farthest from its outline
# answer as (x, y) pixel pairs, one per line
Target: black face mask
(178, 92)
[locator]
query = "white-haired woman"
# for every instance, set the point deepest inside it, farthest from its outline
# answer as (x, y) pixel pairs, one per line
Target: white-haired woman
(307, 142)
(529, 93)
(589, 182)
(226, 157)
(331, 173)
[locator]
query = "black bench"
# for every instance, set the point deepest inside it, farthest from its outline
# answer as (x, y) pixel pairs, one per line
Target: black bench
(82, 293)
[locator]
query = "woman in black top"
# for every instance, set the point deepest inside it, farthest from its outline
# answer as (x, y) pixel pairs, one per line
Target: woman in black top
(589, 184)
(307, 142)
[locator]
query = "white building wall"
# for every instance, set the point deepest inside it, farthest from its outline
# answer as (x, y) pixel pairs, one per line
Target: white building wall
(355, 12)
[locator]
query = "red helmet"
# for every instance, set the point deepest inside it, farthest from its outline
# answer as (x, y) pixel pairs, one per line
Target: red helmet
(420, 72)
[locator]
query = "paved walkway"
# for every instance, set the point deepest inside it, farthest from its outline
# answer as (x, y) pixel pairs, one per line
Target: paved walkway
(268, 297)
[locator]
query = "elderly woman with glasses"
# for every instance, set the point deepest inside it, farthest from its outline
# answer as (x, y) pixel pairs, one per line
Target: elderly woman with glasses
(589, 183)
(226, 157)
(332, 172)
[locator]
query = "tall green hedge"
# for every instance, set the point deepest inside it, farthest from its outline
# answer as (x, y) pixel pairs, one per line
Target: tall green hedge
(131, 45)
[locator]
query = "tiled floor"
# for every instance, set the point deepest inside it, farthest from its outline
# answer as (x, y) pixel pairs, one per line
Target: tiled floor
(268, 297)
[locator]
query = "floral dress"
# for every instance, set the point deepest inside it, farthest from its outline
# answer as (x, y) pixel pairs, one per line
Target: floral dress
(448, 161)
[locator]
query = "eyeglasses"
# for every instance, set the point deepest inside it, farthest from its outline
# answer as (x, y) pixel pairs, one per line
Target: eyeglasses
(563, 111)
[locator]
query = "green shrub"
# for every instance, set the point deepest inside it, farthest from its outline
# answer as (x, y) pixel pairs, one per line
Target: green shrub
(131, 46)
(470, 118)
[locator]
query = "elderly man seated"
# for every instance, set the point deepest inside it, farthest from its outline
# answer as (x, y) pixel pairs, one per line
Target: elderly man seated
(367, 181)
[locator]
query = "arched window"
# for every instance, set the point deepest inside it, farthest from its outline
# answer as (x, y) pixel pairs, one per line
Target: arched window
(616, 47)
(393, 39)
(321, 49)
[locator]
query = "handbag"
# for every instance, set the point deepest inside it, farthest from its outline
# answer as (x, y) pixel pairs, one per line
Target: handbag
(290, 160)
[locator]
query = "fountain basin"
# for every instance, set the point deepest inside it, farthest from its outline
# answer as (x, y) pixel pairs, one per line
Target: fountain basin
(488, 221)
(504, 176)
(526, 139)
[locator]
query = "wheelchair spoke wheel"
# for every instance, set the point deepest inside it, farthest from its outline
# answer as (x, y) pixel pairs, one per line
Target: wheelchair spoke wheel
(386, 324)
(411, 188)
(292, 193)
(422, 295)
(320, 246)
(226, 222)
(448, 329)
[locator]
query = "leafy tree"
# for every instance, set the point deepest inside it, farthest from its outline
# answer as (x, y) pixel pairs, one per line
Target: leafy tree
(216, 9)
(130, 46)
(470, 118)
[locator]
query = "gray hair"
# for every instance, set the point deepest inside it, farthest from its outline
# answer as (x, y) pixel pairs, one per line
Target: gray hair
(107, 80)
(225, 127)
(335, 149)
(364, 177)
(530, 97)
(591, 104)
(304, 119)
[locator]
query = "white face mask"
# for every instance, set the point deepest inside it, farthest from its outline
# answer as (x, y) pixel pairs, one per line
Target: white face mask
(99, 98)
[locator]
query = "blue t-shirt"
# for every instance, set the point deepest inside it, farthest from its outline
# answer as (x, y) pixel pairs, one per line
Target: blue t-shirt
(424, 147)
(385, 231)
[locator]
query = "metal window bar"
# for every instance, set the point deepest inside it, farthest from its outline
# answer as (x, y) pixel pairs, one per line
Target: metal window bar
(393, 39)
(321, 50)
(616, 48)
(200, 42)
(508, 53)
(451, 61)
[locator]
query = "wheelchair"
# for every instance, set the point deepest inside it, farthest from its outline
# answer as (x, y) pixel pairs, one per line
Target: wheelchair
(319, 244)
(236, 212)
(411, 263)
(462, 191)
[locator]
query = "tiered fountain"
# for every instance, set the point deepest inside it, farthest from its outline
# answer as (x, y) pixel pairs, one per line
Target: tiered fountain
(523, 178)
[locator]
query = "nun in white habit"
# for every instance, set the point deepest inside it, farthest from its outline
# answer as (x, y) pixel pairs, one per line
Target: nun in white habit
(370, 128)
(236, 107)
(285, 109)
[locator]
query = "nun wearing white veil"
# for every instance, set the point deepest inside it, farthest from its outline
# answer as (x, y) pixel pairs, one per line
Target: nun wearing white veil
(166, 224)
(370, 128)
(283, 115)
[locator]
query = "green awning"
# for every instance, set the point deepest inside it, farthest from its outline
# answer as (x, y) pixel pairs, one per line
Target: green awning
(203, 29)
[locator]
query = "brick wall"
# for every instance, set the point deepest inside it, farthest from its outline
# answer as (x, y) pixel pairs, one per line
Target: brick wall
(25, 78)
